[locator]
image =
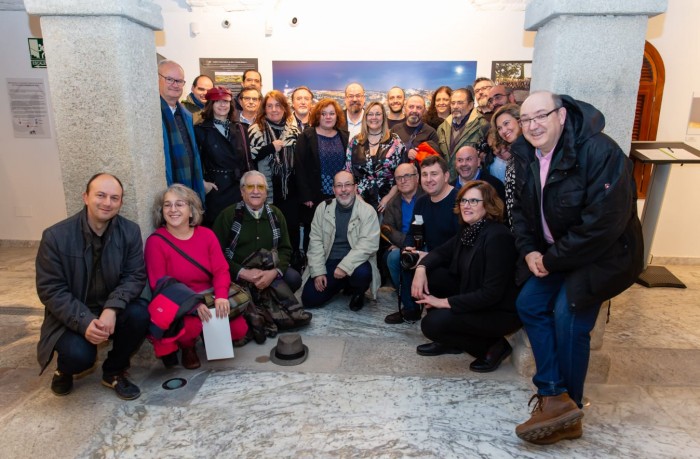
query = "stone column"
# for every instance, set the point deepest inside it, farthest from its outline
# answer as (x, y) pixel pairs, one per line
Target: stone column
(102, 71)
(593, 50)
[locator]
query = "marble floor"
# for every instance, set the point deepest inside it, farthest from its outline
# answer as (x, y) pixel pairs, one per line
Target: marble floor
(363, 392)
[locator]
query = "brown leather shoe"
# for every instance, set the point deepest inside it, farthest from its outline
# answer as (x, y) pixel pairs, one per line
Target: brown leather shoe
(569, 433)
(551, 414)
(190, 359)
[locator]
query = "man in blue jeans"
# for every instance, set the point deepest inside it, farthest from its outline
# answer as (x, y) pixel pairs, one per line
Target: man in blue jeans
(576, 227)
(343, 245)
(89, 276)
(436, 209)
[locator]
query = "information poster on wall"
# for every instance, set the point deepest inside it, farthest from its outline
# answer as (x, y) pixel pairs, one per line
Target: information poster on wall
(29, 107)
(226, 72)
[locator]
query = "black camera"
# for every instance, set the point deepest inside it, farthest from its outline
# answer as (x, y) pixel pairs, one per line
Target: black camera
(410, 259)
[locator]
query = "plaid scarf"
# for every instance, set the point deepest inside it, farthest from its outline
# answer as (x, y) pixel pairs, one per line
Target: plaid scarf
(237, 226)
(182, 163)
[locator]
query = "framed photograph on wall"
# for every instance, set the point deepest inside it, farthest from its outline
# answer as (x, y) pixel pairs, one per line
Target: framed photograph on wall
(329, 78)
(513, 74)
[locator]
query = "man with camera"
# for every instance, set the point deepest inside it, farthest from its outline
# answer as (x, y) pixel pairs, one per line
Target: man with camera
(433, 223)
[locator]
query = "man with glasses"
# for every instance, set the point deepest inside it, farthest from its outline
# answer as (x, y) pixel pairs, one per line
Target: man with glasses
(457, 129)
(195, 100)
(498, 96)
(354, 108)
(576, 228)
(413, 131)
(436, 211)
(182, 162)
(343, 248)
(397, 216)
(482, 86)
(249, 99)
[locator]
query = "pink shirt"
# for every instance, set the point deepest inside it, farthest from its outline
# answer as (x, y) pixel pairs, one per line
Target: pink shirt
(545, 163)
(203, 246)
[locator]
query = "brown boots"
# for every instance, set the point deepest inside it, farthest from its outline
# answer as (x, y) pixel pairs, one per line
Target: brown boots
(553, 418)
(189, 358)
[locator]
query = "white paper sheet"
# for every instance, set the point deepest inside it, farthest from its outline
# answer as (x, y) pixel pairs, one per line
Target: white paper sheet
(217, 338)
(657, 153)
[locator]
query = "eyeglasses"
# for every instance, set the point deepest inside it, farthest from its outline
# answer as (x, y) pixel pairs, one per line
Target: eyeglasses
(539, 119)
(172, 80)
(472, 202)
(458, 102)
(257, 187)
(177, 204)
(483, 88)
(354, 96)
(496, 98)
(342, 186)
(405, 178)
(250, 99)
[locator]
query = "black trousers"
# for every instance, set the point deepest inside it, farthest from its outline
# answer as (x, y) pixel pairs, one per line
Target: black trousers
(474, 332)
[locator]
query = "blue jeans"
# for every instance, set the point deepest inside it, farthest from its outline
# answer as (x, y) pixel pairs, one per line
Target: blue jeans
(358, 282)
(560, 337)
(393, 261)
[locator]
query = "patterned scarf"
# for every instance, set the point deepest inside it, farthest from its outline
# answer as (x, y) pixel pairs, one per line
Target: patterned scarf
(281, 163)
(471, 232)
(237, 226)
(510, 190)
(222, 126)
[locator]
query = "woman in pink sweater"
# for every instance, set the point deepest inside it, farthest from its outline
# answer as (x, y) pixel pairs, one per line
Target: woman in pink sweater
(177, 215)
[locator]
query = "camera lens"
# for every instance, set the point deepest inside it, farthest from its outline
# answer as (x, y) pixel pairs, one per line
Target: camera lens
(408, 260)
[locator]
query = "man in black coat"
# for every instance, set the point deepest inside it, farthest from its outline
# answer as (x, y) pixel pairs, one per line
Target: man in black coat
(89, 275)
(576, 227)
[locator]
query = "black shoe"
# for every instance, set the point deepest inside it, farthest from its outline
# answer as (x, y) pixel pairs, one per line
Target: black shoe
(170, 360)
(61, 383)
(400, 317)
(357, 302)
(125, 389)
(493, 358)
(431, 349)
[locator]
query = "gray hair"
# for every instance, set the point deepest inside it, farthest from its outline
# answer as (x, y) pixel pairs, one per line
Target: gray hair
(244, 179)
(187, 195)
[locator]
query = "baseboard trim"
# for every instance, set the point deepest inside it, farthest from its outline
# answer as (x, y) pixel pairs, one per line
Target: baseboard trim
(18, 243)
(663, 261)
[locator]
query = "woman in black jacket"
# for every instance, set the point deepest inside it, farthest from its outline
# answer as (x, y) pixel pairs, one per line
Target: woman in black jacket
(468, 284)
(223, 147)
(319, 155)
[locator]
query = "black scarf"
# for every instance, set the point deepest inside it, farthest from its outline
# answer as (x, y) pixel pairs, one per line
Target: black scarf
(471, 232)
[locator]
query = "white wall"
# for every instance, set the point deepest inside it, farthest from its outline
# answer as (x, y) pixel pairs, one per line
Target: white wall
(396, 31)
(30, 176)
(676, 35)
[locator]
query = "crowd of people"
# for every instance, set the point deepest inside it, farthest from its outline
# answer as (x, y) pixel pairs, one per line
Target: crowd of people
(485, 215)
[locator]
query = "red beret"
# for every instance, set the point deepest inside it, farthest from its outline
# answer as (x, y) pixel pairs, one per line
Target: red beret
(219, 93)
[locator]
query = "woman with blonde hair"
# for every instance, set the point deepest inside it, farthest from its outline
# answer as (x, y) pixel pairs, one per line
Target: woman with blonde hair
(505, 128)
(372, 157)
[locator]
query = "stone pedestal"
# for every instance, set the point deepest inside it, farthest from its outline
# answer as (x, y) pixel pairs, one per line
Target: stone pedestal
(593, 51)
(102, 71)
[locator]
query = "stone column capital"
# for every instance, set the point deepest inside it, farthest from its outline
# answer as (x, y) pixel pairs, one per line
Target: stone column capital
(142, 12)
(540, 12)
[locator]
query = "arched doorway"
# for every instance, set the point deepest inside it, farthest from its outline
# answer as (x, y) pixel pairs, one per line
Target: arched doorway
(646, 117)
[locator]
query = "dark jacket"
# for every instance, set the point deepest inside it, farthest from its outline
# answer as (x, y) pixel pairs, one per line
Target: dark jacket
(486, 272)
(590, 205)
(224, 162)
(485, 176)
(308, 164)
(393, 217)
(63, 268)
